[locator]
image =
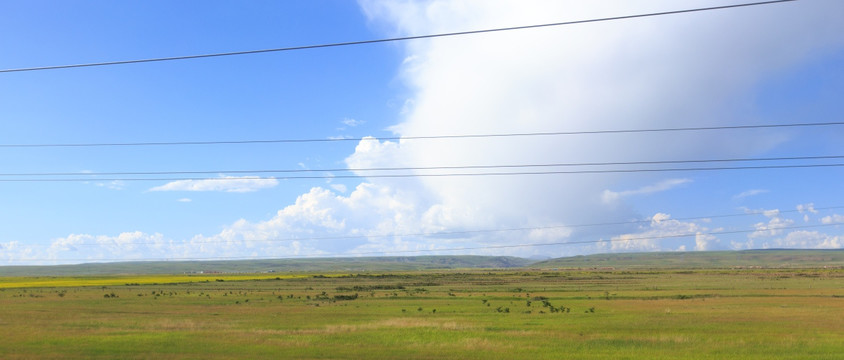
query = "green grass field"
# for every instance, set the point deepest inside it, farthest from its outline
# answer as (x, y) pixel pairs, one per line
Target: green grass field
(466, 314)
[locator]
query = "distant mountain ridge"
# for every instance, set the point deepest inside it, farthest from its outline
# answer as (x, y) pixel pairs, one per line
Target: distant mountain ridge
(770, 258)
(350, 264)
(774, 258)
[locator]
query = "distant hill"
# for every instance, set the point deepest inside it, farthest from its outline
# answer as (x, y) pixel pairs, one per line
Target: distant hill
(777, 258)
(356, 264)
(620, 261)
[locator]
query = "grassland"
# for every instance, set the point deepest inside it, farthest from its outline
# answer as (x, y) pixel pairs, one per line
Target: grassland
(467, 314)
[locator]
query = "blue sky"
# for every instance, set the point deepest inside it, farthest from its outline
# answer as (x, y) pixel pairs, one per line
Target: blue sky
(773, 64)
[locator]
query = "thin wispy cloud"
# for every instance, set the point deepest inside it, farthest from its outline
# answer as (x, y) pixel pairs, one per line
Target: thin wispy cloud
(223, 184)
(610, 196)
(352, 122)
(113, 185)
(749, 193)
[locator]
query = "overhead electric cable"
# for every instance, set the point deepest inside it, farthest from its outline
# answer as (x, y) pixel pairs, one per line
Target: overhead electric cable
(465, 232)
(395, 39)
(464, 167)
(425, 137)
(518, 173)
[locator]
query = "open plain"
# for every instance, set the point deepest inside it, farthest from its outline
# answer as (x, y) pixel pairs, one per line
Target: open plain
(469, 314)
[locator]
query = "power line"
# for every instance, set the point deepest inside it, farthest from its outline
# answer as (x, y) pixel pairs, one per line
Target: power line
(417, 251)
(424, 137)
(464, 232)
(464, 167)
(395, 39)
(453, 174)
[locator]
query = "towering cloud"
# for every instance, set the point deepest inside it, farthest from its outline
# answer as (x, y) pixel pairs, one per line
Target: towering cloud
(698, 69)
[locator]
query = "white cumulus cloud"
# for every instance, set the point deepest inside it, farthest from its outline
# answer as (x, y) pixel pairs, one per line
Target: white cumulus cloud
(775, 225)
(806, 240)
(833, 219)
(806, 209)
(664, 234)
